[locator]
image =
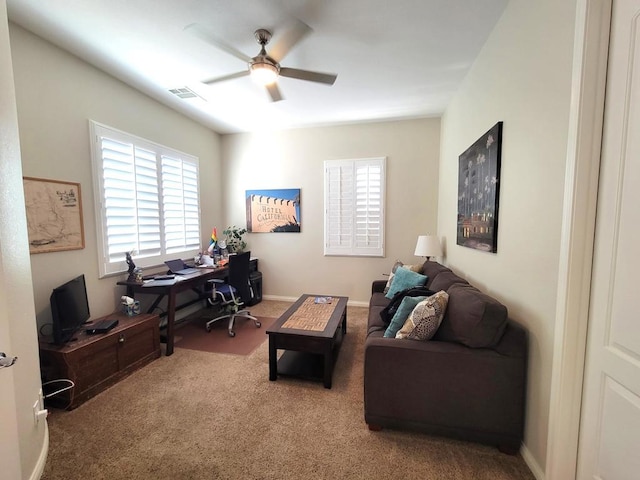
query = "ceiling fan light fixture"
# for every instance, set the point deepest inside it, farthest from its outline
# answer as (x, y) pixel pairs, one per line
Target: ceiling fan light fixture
(264, 73)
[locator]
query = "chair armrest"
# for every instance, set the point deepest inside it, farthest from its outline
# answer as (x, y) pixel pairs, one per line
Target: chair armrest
(215, 280)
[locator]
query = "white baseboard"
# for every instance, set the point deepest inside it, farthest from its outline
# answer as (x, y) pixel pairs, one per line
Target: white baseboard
(531, 463)
(38, 470)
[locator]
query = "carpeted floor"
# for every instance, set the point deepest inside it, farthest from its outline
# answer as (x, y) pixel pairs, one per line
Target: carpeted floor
(202, 415)
(194, 336)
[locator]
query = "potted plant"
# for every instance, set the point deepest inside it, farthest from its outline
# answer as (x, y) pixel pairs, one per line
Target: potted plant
(234, 240)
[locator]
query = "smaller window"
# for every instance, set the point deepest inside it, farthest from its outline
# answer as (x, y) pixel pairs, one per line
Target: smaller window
(354, 197)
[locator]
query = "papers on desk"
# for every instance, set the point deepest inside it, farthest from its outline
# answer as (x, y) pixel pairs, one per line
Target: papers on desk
(159, 283)
(162, 282)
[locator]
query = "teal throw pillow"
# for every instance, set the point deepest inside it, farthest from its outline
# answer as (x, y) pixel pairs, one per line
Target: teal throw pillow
(400, 317)
(403, 279)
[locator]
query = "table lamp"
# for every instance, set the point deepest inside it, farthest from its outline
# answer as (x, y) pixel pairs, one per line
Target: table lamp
(428, 246)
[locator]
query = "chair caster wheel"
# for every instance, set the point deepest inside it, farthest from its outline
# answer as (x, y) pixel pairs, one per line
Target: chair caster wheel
(232, 333)
(258, 324)
(208, 328)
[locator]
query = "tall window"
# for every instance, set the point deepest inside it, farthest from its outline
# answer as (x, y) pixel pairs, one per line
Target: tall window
(146, 198)
(354, 207)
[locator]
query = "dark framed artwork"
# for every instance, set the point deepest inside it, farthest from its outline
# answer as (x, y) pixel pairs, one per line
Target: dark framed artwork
(479, 192)
(273, 210)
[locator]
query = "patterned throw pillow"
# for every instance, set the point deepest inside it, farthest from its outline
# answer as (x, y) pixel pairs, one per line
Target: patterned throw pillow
(396, 266)
(424, 320)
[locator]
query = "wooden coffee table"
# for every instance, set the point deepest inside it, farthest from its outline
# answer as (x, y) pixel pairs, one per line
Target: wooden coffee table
(311, 334)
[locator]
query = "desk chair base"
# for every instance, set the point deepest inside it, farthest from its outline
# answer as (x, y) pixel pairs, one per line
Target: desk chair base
(232, 318)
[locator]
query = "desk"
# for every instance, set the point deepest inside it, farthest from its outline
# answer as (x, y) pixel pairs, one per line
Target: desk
(194, 281)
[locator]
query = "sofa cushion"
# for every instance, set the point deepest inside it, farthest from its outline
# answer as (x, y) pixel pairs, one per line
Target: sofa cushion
(424, 320)
(375, 323)
(472, 318)
(431, 270)
(403, 279)
(378, 300)
(444, 280)
(406, 307)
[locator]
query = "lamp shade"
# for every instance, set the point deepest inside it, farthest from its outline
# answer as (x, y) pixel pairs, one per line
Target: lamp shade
(428, 246)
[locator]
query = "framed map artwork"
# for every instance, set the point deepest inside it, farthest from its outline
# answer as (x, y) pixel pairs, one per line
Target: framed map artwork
(54, 215)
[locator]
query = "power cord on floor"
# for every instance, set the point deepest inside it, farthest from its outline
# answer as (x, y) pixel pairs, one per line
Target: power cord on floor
(64, 389)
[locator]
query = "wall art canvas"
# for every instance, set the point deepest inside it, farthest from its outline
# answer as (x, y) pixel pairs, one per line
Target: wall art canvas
(478, 192)
(273, 210)
(54, 215)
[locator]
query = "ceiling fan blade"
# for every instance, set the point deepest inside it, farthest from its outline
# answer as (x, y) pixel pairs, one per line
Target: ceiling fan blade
(231, 76)
(318, 77)
(296, 32)
(205, 34)
(274, 92)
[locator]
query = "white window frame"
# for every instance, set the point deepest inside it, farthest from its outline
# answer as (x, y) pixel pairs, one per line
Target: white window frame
(354, 201)
(181, 181)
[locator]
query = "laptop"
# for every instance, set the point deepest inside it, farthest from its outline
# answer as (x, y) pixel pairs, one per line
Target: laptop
(179, 267)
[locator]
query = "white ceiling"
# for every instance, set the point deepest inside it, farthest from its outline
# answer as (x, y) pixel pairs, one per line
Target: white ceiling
(394, 59)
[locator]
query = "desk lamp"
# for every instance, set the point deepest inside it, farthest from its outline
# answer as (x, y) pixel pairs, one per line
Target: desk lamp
(428, 246)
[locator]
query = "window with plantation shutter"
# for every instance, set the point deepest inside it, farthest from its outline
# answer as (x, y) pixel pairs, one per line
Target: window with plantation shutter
(354, 207)
(146, 198)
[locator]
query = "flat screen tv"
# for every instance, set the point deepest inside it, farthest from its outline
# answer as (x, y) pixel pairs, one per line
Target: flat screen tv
(69, 309)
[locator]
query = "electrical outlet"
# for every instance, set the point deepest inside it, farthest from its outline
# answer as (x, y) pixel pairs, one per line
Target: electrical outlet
(38, 408)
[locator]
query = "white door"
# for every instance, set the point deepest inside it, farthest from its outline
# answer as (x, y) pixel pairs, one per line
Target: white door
(9, 452)
(609, 445)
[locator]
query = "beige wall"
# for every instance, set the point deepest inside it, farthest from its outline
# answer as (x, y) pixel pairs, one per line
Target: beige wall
(522, 77)
(23, 446)
(293, 263)
(57, 94)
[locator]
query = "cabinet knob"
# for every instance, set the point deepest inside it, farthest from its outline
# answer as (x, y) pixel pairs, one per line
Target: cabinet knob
(121, 338)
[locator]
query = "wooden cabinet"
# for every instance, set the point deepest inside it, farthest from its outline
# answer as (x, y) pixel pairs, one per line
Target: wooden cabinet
(95, 362)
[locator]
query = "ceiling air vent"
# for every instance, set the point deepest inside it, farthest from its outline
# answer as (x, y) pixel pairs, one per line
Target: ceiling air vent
(185, 92)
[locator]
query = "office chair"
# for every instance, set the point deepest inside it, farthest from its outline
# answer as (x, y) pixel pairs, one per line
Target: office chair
(232, 295)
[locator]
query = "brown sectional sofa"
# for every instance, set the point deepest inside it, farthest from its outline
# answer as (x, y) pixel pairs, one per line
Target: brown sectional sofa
(468, 382)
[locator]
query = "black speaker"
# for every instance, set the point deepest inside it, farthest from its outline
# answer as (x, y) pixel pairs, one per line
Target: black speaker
(255, 279)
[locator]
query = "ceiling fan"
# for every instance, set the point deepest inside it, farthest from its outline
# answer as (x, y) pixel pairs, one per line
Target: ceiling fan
(265, 67)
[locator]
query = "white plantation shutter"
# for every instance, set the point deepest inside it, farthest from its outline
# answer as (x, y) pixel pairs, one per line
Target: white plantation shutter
(131, 208)
(146, 198)
(354, 207)
(180, 204)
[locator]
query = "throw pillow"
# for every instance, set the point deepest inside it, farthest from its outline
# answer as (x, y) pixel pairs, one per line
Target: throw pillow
(403, 279)
(424, 320)
(414, 268)
(402, 313)
(396, 265)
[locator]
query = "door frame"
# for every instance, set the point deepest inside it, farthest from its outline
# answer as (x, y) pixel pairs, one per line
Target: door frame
(591, 42)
